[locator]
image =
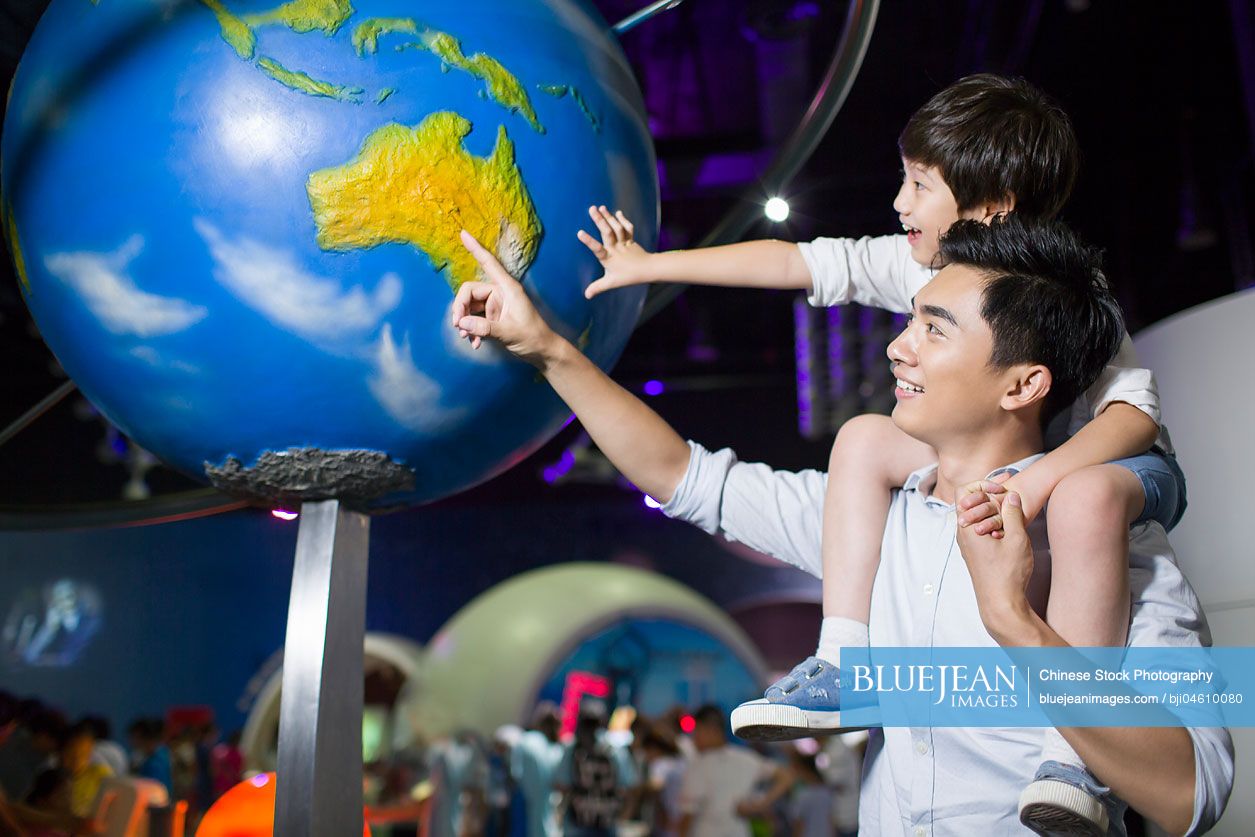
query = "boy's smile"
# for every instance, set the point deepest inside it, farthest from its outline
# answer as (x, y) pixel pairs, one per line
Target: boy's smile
(926, 207)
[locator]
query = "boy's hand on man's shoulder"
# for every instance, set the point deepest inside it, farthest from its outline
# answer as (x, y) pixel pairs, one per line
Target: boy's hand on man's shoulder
(623, 260)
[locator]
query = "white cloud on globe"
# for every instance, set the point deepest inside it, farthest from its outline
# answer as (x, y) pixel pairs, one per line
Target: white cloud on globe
(273, 282)
(411, 398)
(108, 291)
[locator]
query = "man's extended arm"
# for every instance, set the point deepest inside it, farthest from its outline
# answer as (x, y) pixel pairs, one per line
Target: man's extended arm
(1151, 768)
(635, 438)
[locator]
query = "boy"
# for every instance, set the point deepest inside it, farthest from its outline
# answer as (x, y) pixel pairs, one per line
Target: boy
(984, 146)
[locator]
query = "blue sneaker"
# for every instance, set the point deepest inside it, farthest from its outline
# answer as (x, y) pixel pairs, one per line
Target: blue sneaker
(1066, 799)
(804, 703)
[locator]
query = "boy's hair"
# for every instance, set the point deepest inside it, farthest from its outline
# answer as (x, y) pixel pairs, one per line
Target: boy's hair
(992, 138)
(1045, 300)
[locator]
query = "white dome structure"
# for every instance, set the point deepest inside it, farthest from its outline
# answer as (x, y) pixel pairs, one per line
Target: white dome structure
(485, 667)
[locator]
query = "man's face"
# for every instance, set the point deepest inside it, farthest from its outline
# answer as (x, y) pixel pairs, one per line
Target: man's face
(707, 736)
(945, 385)
(926, 207)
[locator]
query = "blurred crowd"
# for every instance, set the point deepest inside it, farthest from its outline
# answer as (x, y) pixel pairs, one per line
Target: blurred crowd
(600, 775)
(680, 775)
(57, 775)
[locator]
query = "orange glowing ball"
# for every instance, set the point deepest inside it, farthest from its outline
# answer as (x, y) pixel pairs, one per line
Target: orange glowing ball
(247, 810)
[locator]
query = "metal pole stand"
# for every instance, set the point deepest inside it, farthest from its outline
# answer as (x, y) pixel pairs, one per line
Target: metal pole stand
(319, 783)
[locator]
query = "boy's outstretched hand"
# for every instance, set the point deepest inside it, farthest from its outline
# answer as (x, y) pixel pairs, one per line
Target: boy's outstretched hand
(499, 308)
(621, 257)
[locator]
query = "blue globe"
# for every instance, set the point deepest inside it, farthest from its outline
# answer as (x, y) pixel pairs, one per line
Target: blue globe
(235, 224)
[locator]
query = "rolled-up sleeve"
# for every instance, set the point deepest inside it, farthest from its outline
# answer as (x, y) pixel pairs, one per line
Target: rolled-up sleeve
(779, 513)
(1122, 380)
(1213, 776)
(875, 271)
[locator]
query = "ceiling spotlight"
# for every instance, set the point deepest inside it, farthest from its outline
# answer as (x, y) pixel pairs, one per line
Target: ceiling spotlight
(777, 209)
(284, 514)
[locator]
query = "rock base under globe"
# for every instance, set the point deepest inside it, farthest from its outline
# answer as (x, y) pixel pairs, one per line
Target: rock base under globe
(354, 477)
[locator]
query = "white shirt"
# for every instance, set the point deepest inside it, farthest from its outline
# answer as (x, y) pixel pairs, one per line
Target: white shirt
(943, 781)
(879, 272)
(714, 783)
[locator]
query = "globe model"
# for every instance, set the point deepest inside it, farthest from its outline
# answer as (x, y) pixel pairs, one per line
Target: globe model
(236, 225)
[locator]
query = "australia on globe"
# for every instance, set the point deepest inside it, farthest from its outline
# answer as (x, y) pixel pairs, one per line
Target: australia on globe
(236, 226)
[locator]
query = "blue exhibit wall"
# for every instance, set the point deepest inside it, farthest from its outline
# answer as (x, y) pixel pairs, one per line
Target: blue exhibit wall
(191, 612)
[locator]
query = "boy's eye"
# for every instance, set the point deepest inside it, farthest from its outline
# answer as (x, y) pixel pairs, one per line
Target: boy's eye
(932, 329)
(918, 185)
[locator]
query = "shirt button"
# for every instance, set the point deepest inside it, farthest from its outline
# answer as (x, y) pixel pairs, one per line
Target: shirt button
(921, 747)
(928, 589)
(919, 831)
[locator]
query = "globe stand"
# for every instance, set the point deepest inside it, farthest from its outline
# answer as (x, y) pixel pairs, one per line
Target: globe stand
(319, 785)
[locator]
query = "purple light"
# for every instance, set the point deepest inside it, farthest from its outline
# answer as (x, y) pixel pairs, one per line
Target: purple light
(284, 514)
(260, 780)
(650, 502)
(653, 388)
(559, 469)
(568, 421)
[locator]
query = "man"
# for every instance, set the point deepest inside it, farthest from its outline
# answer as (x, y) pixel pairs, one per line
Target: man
(17, 818)
(979, 394)
(717, 779)
(534, 758)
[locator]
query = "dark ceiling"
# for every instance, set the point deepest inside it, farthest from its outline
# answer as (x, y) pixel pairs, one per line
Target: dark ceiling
(1162, 107)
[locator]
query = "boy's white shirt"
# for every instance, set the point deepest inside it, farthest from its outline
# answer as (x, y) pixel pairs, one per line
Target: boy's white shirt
(878, 271)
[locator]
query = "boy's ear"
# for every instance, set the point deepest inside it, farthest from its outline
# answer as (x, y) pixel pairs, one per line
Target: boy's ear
(1026, 385)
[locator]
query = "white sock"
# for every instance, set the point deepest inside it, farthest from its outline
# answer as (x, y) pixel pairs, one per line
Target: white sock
(1056, 748)
(837, 631)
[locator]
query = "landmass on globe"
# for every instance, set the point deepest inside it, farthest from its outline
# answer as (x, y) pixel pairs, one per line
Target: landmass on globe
(302, 82)
(367, 33)
(326, 16)
(501, 86)
(15, 247)
(371, 199)
(559, 91)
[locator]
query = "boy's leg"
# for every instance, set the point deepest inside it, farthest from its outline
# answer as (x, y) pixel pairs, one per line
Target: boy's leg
(1088, 520)
(870, 457)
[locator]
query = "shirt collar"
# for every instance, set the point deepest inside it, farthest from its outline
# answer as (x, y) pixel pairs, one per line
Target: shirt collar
(919, 477)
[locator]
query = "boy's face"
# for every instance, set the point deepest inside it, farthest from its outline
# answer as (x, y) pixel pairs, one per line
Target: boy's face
(944, 351)
(926, 207)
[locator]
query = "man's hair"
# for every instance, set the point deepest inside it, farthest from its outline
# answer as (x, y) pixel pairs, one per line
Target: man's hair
(992, 138)
(710, 716)
(100, 726)
(49, 722)
(1045, 300)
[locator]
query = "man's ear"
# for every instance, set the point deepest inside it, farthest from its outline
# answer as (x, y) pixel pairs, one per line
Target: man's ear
(992, 209)
(1027, 385)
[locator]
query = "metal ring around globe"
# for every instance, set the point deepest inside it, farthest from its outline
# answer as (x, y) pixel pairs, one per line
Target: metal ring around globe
(847, 59)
